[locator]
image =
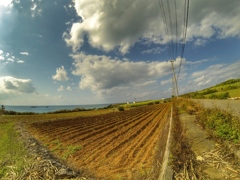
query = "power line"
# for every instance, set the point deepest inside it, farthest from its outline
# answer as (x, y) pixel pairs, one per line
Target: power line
(169, 12)
(186, 10)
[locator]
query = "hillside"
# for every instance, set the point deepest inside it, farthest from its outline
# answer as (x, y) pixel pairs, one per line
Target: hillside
(224, 90)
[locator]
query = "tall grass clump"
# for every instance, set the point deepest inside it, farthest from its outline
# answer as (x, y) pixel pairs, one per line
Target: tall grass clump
(12, 151)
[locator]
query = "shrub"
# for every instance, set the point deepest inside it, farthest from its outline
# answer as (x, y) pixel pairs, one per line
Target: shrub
(120, 108)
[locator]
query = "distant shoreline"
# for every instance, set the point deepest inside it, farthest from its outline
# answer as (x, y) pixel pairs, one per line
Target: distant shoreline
(49, 108)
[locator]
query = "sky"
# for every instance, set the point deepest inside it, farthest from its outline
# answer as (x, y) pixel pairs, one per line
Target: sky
(63, 52)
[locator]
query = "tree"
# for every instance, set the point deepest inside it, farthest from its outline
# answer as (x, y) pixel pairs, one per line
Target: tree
(3, 109)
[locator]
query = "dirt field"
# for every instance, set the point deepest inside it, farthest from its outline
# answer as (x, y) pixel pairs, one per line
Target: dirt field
(120, 145)
(229, 105)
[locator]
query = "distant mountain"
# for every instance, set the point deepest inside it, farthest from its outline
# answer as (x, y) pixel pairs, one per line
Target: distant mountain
(224, 90)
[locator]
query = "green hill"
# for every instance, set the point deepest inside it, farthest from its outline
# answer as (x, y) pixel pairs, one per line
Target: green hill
(224, 90)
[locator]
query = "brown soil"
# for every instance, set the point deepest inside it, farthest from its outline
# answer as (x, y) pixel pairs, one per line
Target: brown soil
(116, 145)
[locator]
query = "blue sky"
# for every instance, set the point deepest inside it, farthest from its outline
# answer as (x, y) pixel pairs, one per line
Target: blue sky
(89, 52)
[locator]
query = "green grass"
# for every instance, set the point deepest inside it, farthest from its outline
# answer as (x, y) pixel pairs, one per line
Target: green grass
(220, 124)
(224, 90)
(71, 150)
(138, 104)
(12, 151)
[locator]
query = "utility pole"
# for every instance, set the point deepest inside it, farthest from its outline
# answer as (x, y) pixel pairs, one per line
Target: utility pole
(173, 88)
(174, 79)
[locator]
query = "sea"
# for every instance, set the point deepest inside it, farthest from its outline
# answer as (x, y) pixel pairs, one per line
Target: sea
(46, 109)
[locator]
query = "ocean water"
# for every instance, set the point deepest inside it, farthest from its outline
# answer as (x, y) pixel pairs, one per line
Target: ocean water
(46, 109)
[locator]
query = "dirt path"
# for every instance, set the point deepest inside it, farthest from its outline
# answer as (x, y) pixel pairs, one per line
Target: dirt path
(229, 105)
(212, 162)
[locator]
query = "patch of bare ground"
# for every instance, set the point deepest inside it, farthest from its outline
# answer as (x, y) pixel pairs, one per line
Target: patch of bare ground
(212, 159)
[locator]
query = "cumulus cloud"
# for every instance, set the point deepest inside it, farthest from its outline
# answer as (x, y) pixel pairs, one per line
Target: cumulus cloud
(214, 74)
(61, 74)
(61, 88)
(217, 17)
(6, 3)
(10, 84)
(102, 72)
(119, 24)
(111, 24)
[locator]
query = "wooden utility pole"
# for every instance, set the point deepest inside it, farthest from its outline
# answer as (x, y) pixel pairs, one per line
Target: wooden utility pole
(174, 79)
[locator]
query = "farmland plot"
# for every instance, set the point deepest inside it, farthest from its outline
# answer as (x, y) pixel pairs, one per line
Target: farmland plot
(117, 145)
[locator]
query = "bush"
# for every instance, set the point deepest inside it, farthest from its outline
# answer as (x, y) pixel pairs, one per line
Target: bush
(120, 108)
(220, 96)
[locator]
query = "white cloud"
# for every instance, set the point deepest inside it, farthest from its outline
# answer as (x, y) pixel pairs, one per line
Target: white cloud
(215, 17)
(61, 88)
(168, 81)
(10, 59)
(69, 88)
(201, 61)
(6, 3)
(35, 8)
(20, 61)
(61, 74)
(212, 75)
(9, 84)
(102, 72)
(2, 58)
(111, 24)
(24, 53)
(200, 42)
(156, 50)
(119, 24)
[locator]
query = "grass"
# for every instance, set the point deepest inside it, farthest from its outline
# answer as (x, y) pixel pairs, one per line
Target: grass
(71, 150)
(138, 104)
(12, 151)
(220, 124)
(224, 90)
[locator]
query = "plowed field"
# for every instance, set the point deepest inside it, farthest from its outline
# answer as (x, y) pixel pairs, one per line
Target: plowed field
(118, 145)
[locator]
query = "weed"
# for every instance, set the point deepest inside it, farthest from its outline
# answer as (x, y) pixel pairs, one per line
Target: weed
(57, 144)
(71, 150)
(220, 123)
